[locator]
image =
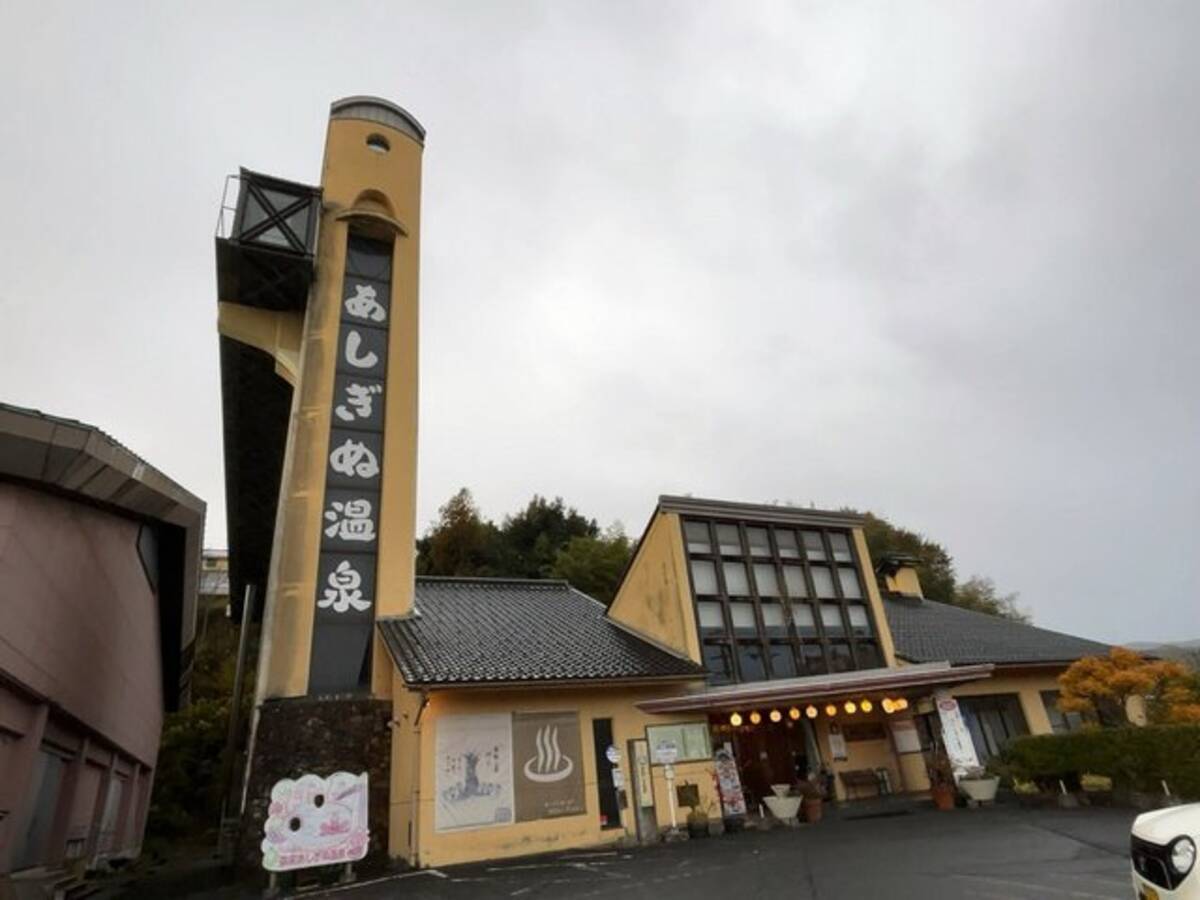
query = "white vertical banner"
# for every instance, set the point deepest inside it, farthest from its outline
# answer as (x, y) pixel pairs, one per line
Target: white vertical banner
(955, 736)
(474, 776)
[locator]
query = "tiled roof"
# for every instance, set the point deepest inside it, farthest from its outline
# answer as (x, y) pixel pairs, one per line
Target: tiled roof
(489, 631)
(925, 631)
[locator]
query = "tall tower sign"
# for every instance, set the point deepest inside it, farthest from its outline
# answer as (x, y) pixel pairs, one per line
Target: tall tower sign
(318, 317)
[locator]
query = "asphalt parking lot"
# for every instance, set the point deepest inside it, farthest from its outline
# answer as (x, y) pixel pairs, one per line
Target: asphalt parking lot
(993, 854)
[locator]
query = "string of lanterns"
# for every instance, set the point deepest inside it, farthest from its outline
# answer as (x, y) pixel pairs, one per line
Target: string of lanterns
(887, 704)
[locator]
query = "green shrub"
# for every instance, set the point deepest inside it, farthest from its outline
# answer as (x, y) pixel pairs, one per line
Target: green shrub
(1134, 758)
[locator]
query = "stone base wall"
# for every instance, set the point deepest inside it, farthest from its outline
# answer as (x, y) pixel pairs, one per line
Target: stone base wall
(298, 735)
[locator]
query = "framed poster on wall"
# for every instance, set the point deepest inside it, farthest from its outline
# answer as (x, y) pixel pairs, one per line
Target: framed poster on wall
(690, 738)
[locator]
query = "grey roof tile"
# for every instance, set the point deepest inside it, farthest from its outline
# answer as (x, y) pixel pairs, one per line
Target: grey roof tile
(927, 631)
(491, 630)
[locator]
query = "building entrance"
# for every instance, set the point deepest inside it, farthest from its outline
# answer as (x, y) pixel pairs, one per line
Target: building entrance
(768, 753)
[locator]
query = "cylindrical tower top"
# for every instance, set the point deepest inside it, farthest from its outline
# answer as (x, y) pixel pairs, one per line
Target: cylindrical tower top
(376, 109)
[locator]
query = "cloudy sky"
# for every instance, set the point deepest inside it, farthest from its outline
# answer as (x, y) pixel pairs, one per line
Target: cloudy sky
(935, 260)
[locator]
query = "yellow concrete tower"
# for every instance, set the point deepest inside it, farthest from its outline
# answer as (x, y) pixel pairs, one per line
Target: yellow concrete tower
(318, 316)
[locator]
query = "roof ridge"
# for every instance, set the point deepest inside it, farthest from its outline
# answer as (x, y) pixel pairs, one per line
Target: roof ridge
(487, 579)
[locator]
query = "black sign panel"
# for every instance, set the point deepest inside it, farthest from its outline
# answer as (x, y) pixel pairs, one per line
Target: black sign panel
(346, 572)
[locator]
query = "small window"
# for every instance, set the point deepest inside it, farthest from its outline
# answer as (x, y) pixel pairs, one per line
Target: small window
(759, 544)
(868, 656)
(802, 616)
(783, 661)
(841, 547)
(860, 622)
(743, 618)
(698, 539)
(704, 576)
(840, 658)
(850, 585)
(728, 540)
(814, 659)
(718, 660)
(711, 617)
(814, 548)
(831, 618)
(773, 620)
(822, 581)
(378, 143)
(793, 577)
(766, 580)
(736, 582)
(786, 542)
(750, 661)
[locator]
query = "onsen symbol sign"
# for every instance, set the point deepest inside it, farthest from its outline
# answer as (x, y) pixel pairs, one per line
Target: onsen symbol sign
(550, 763)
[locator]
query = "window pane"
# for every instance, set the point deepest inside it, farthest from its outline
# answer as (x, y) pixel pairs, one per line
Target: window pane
(766, 580)
(840, 658)
(711, 616)
(773, 620)
(822, 581)
(728, 541)
(783, 662)
(831, 618)
(813, 547)
(750, 660)
(868, 656)
(860, 622)
(841, 547)
(793, 577)
(814, 659)
(786, 542)
(704, 576)
(757, 539)
(698, 539)
(743, 618)
(802, 616)
(736, 582)
(850, 586)
(719, 661)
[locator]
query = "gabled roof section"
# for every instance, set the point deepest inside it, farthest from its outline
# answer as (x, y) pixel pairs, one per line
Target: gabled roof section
(491, 631)
(759, 512)
(925, 630)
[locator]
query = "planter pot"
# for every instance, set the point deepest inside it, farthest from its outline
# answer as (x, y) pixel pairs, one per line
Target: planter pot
(697, 827)
(943, 796)
(734, 824)
(981, 790)
(813, 809)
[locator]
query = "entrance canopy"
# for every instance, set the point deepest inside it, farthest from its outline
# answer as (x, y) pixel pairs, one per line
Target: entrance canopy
(820, 687)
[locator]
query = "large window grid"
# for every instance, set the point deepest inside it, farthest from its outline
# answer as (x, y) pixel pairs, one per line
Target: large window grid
(775, 601)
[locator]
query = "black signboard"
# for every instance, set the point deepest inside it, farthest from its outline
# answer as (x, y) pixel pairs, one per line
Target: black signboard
(345, 596)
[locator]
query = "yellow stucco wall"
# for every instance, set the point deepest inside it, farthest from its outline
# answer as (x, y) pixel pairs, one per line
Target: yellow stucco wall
(379, 193)
(413, 799)
(655, 597)
(904, 581)
(887, 646)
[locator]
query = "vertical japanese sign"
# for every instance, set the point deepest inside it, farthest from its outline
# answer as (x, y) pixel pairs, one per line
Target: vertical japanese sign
(957, 739)
(345, 596)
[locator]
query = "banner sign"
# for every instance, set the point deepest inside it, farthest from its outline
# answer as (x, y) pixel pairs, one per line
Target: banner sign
(345, 600)
(955, 736)
(316, 821)
(729, 784)
(473, 772)
(548, 764)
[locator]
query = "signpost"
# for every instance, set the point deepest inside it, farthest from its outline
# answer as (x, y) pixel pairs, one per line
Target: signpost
(665, 753)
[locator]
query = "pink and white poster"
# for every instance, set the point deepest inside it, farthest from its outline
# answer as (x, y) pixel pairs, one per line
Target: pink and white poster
(315, 821)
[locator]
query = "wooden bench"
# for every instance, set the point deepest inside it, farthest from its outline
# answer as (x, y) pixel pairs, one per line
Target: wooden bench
(855, 779)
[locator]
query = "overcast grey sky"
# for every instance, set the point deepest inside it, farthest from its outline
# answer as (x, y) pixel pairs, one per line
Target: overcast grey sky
(935, 260)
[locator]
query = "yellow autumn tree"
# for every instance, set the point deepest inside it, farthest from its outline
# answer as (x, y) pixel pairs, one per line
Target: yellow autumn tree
(1100, 687)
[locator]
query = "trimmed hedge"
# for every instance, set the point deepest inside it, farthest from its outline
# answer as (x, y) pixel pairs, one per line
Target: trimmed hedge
(1137, 759)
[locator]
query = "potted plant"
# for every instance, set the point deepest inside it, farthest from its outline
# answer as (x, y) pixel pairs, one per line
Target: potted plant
(811, 803)
(688, 796)
(941, 781)
(978, 785)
